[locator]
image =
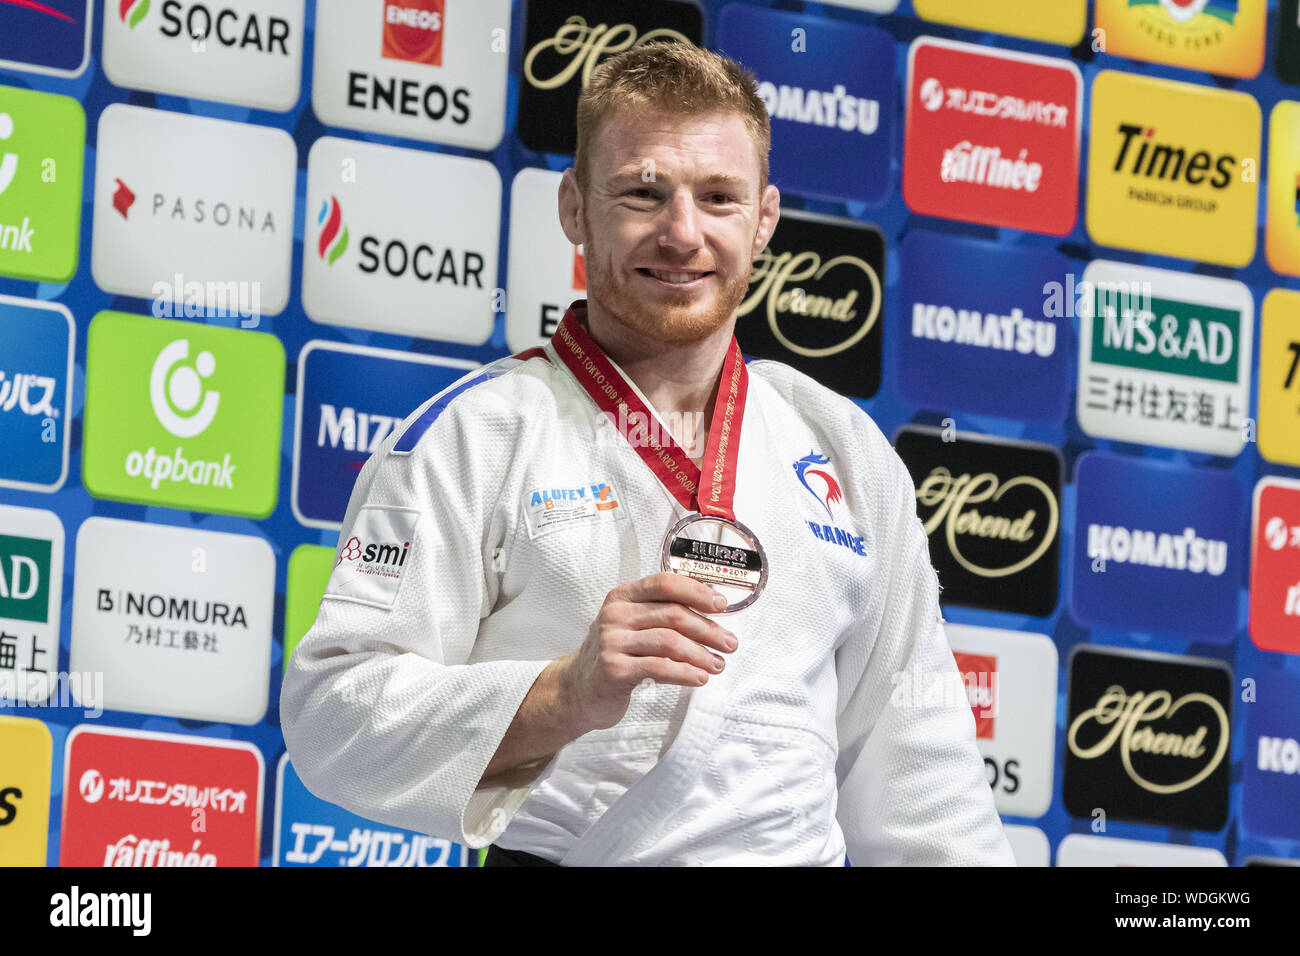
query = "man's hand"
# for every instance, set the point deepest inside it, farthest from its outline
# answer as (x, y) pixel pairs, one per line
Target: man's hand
(650, 628)
(654, 627)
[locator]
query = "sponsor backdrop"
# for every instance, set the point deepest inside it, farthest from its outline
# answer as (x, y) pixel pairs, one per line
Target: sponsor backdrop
(1053, 248)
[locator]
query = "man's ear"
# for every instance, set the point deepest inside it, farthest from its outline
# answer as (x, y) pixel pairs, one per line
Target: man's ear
(769, 213)
(570, 208)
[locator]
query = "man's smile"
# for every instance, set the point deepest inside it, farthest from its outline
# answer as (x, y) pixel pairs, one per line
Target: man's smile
(676, 277)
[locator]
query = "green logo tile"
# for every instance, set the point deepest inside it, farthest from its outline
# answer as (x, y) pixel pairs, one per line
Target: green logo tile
(42, 145)
(182, 415)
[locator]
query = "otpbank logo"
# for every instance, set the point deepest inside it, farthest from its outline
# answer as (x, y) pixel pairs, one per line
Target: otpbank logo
(1059, 21)
(1157, 547)
(992, 137)
(240, 51)
(182, 415)
(380, 256)
(42, 145)
(46, 36)
(35, 393)
(1282, 231)
(1213, 36)
(350, 400)
(832, 120)
(1173, 168)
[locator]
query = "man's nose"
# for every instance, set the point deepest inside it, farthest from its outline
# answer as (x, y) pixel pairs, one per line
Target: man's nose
(681, 231)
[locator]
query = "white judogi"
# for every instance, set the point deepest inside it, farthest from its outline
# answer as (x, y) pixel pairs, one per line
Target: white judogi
(392, 708)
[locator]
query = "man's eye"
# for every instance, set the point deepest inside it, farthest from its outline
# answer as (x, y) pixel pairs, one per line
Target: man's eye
(641, 193)
(720, 197)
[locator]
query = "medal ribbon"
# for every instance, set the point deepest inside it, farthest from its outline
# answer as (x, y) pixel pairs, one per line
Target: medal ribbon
(711, 492)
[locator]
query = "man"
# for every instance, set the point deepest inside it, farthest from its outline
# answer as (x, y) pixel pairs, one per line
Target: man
(499, 657)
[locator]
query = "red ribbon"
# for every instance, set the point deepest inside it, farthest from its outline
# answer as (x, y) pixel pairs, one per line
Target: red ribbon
(711, 491)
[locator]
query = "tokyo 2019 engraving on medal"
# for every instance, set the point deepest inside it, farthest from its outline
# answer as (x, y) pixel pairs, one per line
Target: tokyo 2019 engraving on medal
(737, 566)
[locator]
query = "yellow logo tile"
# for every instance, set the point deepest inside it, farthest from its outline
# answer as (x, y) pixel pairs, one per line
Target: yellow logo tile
(1279, 378)
(24, 791)
(1173, 168)
(1282, 235)
(1216, 36)
(1052, 21)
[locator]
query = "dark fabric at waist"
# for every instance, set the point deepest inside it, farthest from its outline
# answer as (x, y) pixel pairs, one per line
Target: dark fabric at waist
(498, 856)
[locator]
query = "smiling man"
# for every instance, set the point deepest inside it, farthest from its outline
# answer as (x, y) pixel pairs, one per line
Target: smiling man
(628, 599)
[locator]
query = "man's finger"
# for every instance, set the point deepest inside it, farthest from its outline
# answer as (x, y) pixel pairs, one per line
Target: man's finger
(684, 620)
(669, 586)
(662, 642)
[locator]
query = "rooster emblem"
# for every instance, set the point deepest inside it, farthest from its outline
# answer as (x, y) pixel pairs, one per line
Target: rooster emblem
(804, 469)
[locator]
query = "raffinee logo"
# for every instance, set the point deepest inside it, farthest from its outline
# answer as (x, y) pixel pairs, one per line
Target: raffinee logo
(129, 910)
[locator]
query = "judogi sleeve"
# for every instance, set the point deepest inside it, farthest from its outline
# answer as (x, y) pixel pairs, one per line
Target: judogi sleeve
(913, 789)
(380, 710)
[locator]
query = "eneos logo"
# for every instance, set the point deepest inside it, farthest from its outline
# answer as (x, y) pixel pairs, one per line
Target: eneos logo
(182, 422)
(1215, 36)
(992, 137)
(413, 30)
(979, 672)
(1010, 680)
(1168, 171)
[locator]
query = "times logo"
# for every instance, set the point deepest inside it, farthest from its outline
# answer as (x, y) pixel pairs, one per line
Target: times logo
(1173, 168)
